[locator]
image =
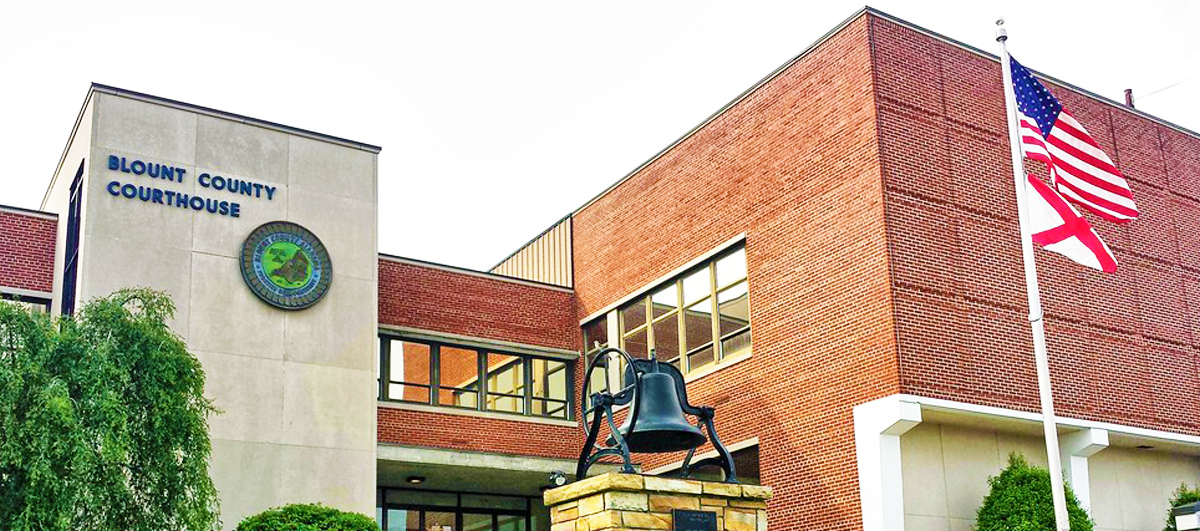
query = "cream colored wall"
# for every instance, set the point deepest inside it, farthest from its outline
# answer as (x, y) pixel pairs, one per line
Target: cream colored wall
(945, 470)
(297, 389)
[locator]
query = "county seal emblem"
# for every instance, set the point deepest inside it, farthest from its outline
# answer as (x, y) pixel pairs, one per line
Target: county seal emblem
(286, 265)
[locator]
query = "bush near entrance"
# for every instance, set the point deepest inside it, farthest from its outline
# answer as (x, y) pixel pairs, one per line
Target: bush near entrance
(103, 420)
(307, 517)
(1020, 500)
(1182, 495)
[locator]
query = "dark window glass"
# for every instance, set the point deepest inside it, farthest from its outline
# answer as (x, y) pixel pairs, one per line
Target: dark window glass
(494, 501)
(508, 522)
(408, 377)
(633, 314)
(458, 377)
(71, 251)
(421, 497)
(506, 383)
(666, 338)
(636, 344)
(595, 334)
(476, 522)
(439, 521)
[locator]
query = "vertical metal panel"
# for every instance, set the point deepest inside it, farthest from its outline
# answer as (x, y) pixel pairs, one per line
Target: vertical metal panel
(545, 259)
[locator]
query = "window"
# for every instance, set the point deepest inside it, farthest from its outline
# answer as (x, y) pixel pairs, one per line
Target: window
(71, 260)
(448, 375)
(695, 320)
(416, 510)
(33, 304)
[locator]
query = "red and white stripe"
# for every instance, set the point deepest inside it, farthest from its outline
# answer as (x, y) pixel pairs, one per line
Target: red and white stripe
(1079, 168)
(1058, 227)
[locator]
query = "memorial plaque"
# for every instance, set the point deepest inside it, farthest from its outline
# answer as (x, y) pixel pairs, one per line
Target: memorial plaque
(694, 520)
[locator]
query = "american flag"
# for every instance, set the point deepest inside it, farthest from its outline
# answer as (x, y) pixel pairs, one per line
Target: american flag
(1078, 167)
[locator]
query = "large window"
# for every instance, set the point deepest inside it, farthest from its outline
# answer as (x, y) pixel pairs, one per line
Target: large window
(416, 510)
(448, 375)
(693, 321)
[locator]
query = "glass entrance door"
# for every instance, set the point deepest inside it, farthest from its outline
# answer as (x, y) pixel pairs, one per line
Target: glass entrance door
(419, 510)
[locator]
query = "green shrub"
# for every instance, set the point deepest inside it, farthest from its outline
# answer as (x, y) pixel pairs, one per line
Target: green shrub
(1182, 495)
(1020, 500)
(307, 517)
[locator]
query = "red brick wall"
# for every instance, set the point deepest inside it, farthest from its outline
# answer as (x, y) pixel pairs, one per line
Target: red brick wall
(435, 299)
(27, 251)
(794, 167)
(1123, 347)
(459, 432)
(439, 300)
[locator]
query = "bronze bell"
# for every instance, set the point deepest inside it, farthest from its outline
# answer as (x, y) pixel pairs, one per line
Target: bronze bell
(661, 426)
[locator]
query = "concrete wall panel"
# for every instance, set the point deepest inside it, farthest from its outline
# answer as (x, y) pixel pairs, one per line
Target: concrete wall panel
(238, 148)
(152, 131)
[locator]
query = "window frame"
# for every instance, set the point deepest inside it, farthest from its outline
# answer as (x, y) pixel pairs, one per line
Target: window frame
(710, 300)
(483, 388)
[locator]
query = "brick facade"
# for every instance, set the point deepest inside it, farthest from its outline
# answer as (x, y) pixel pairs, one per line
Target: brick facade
(439, 299)
(1118, 343)
(794, 166)
(27, 250)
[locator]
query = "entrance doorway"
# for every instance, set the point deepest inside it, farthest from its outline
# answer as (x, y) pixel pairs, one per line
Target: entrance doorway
(425, 510)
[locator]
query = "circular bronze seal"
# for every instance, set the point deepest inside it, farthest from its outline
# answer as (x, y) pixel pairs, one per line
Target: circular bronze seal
(286, 265)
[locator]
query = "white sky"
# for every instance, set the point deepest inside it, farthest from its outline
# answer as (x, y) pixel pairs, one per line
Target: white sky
(498, 118)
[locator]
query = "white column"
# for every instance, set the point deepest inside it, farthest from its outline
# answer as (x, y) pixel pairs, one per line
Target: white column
(878, 426)
(1076, 447)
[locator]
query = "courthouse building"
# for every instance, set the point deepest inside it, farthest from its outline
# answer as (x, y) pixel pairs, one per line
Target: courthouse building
(832, 259)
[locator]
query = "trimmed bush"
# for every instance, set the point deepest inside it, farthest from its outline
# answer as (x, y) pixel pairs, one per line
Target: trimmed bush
(1020, 500)
(1182, 495)
(307, 517)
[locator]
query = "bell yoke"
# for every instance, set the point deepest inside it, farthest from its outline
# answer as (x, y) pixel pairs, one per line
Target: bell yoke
(656, 422)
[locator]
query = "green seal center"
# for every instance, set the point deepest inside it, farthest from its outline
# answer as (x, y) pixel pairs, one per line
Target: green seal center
(287, 265)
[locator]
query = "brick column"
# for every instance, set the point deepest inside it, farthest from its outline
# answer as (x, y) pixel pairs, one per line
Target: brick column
(621, 502)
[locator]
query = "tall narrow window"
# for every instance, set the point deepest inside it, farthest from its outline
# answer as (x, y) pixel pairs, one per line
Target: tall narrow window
(505, 383)
(71, 252)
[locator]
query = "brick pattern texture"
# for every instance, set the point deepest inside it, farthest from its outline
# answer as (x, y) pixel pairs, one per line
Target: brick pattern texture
(794, 166)
(439, 300)
(1123, 347)
(27, 251)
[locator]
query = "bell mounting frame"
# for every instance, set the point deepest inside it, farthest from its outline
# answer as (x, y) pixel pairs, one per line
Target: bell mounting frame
(599, 405)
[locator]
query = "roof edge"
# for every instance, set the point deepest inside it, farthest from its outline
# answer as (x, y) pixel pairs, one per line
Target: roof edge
(993, 57)
(732, 103)
(531, 240)
(116, 91)
(28, 212)
(473, 272)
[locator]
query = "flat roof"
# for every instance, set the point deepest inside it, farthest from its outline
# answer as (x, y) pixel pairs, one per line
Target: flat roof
(116, 91)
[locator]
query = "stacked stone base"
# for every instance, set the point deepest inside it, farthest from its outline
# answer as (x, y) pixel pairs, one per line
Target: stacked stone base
(619, 502)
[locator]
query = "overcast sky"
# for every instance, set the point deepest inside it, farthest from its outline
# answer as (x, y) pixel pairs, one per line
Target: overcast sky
(498, 118)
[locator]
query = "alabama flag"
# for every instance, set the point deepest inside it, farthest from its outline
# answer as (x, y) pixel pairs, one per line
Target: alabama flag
(1058, 227)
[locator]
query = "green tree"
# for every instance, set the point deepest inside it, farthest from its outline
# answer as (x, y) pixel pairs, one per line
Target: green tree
(103, 421)
(307, 517)
(1182, 495)
(1020, 500)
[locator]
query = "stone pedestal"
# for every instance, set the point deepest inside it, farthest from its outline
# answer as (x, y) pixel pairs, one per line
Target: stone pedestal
(621, 502)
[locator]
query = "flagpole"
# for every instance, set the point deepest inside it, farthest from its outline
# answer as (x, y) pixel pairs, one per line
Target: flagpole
(1049, 421)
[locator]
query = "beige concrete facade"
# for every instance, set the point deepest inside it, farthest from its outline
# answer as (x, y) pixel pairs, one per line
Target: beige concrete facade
(296, 388)
(946, 467)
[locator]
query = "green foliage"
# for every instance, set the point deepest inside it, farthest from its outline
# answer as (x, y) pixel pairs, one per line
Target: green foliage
(1182, 495)
(307, 517)
(103, 421)
(1020, 500)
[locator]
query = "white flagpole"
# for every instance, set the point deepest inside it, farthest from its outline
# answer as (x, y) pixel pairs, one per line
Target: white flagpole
(1049, 422)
